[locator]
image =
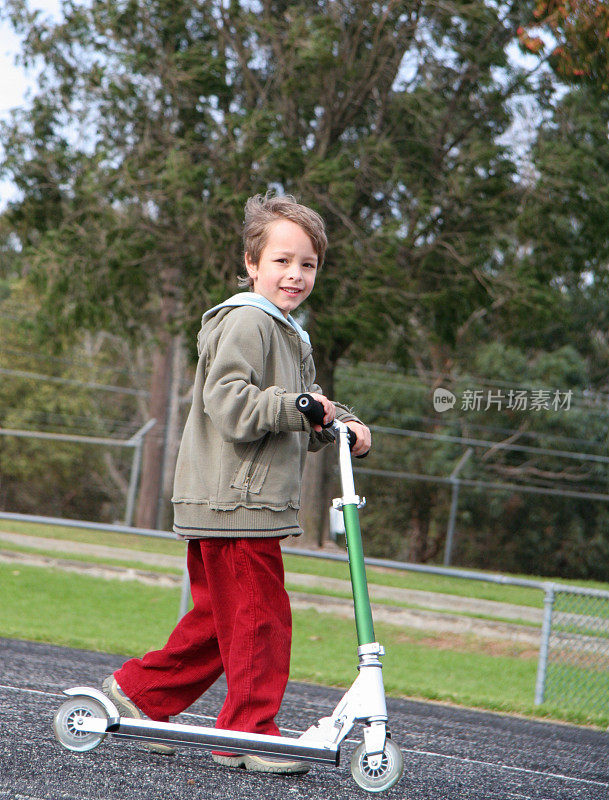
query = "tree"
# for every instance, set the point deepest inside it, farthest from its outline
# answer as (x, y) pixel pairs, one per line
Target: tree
(579, 31)
(43, 391)
(129, 232)
(565, 230)
(529, 418)
(385, 117)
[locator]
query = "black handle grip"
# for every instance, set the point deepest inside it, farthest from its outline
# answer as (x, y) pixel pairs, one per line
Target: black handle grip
(311, 408)
(314, 412)
(352, 441)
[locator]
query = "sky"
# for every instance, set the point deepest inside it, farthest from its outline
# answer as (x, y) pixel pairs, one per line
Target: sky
(14, 81)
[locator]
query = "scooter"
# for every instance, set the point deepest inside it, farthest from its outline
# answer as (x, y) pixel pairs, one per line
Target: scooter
(88, 716)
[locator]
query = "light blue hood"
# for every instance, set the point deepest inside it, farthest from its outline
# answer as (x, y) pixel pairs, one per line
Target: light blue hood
(258, 301)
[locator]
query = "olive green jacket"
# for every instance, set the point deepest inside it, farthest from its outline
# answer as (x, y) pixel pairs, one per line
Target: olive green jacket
(242, 454)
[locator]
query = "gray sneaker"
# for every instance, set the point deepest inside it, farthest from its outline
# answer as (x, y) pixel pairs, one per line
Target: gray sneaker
(276, 766)
(127, 708)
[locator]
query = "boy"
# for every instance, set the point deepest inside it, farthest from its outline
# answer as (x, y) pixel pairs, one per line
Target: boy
(237, 490)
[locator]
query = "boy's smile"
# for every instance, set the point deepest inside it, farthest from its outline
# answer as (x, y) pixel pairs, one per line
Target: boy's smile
(286, 271)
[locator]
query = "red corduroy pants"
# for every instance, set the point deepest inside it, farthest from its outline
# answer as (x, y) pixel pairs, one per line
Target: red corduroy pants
(241, 624)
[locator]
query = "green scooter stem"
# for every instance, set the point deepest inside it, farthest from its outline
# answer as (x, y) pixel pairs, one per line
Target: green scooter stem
(359, 584)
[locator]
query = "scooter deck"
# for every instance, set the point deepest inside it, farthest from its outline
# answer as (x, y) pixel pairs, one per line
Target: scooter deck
(215, 739)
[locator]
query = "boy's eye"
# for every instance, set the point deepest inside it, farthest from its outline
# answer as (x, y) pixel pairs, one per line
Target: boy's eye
(312, 266)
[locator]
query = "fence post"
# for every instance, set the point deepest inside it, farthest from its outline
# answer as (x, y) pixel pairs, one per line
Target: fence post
(138, 440)
(185, 596)
(454, 480)
(546, 629)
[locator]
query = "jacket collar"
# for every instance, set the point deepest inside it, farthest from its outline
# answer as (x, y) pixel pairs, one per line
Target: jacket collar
(258, 301)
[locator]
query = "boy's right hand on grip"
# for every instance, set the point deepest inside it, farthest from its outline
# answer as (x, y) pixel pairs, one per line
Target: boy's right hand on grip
(320, 413)
(314, 410)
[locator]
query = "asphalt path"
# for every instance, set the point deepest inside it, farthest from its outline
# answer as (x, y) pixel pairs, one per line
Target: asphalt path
(449, 753)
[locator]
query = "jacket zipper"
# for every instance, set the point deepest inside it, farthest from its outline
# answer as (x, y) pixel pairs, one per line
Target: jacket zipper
(303, 388)
(254, 463)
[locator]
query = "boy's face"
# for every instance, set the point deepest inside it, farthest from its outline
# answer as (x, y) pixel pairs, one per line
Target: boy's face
(286, 271)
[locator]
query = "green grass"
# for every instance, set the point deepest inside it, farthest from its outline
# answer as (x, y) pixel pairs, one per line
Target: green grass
(85, 558)
(380, 601)
(318, 589)
(67, 608)
(459, 587)
(129, 618)
(295, 564)
(413, 668)
(130, 541)
(299, 564)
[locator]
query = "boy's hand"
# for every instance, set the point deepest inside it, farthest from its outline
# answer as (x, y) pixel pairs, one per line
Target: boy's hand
(364, 438)
(329, 408)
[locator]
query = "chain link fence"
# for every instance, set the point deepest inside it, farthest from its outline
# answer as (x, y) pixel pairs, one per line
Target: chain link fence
(135, 443)
(574, 656)
(573, 664)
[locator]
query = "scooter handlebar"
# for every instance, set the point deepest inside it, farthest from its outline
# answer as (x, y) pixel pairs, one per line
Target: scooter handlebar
(313, 410)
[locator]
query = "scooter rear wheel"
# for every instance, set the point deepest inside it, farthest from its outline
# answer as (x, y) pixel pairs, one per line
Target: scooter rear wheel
(377, 779)
(69, 719)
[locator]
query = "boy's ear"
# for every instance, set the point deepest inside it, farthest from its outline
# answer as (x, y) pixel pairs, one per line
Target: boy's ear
(251, 268)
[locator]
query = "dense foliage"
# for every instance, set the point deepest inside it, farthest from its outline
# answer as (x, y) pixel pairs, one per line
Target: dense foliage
(452, 256)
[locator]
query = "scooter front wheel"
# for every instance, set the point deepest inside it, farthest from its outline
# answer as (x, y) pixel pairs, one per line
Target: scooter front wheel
(381, 777)
(68, 723)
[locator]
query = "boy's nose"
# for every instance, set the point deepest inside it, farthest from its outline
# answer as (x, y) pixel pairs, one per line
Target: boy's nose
(295, 272)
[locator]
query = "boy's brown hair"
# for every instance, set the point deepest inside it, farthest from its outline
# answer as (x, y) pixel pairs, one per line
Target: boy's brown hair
(262, 210)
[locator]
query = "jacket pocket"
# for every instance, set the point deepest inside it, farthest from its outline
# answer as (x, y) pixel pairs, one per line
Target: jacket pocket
(251, 473)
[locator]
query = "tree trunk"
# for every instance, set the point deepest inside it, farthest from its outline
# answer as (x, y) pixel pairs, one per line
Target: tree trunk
(420, 551)
(154, 453)
(319, 482)
(173, 435)
(316, 498)
(146, 515)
